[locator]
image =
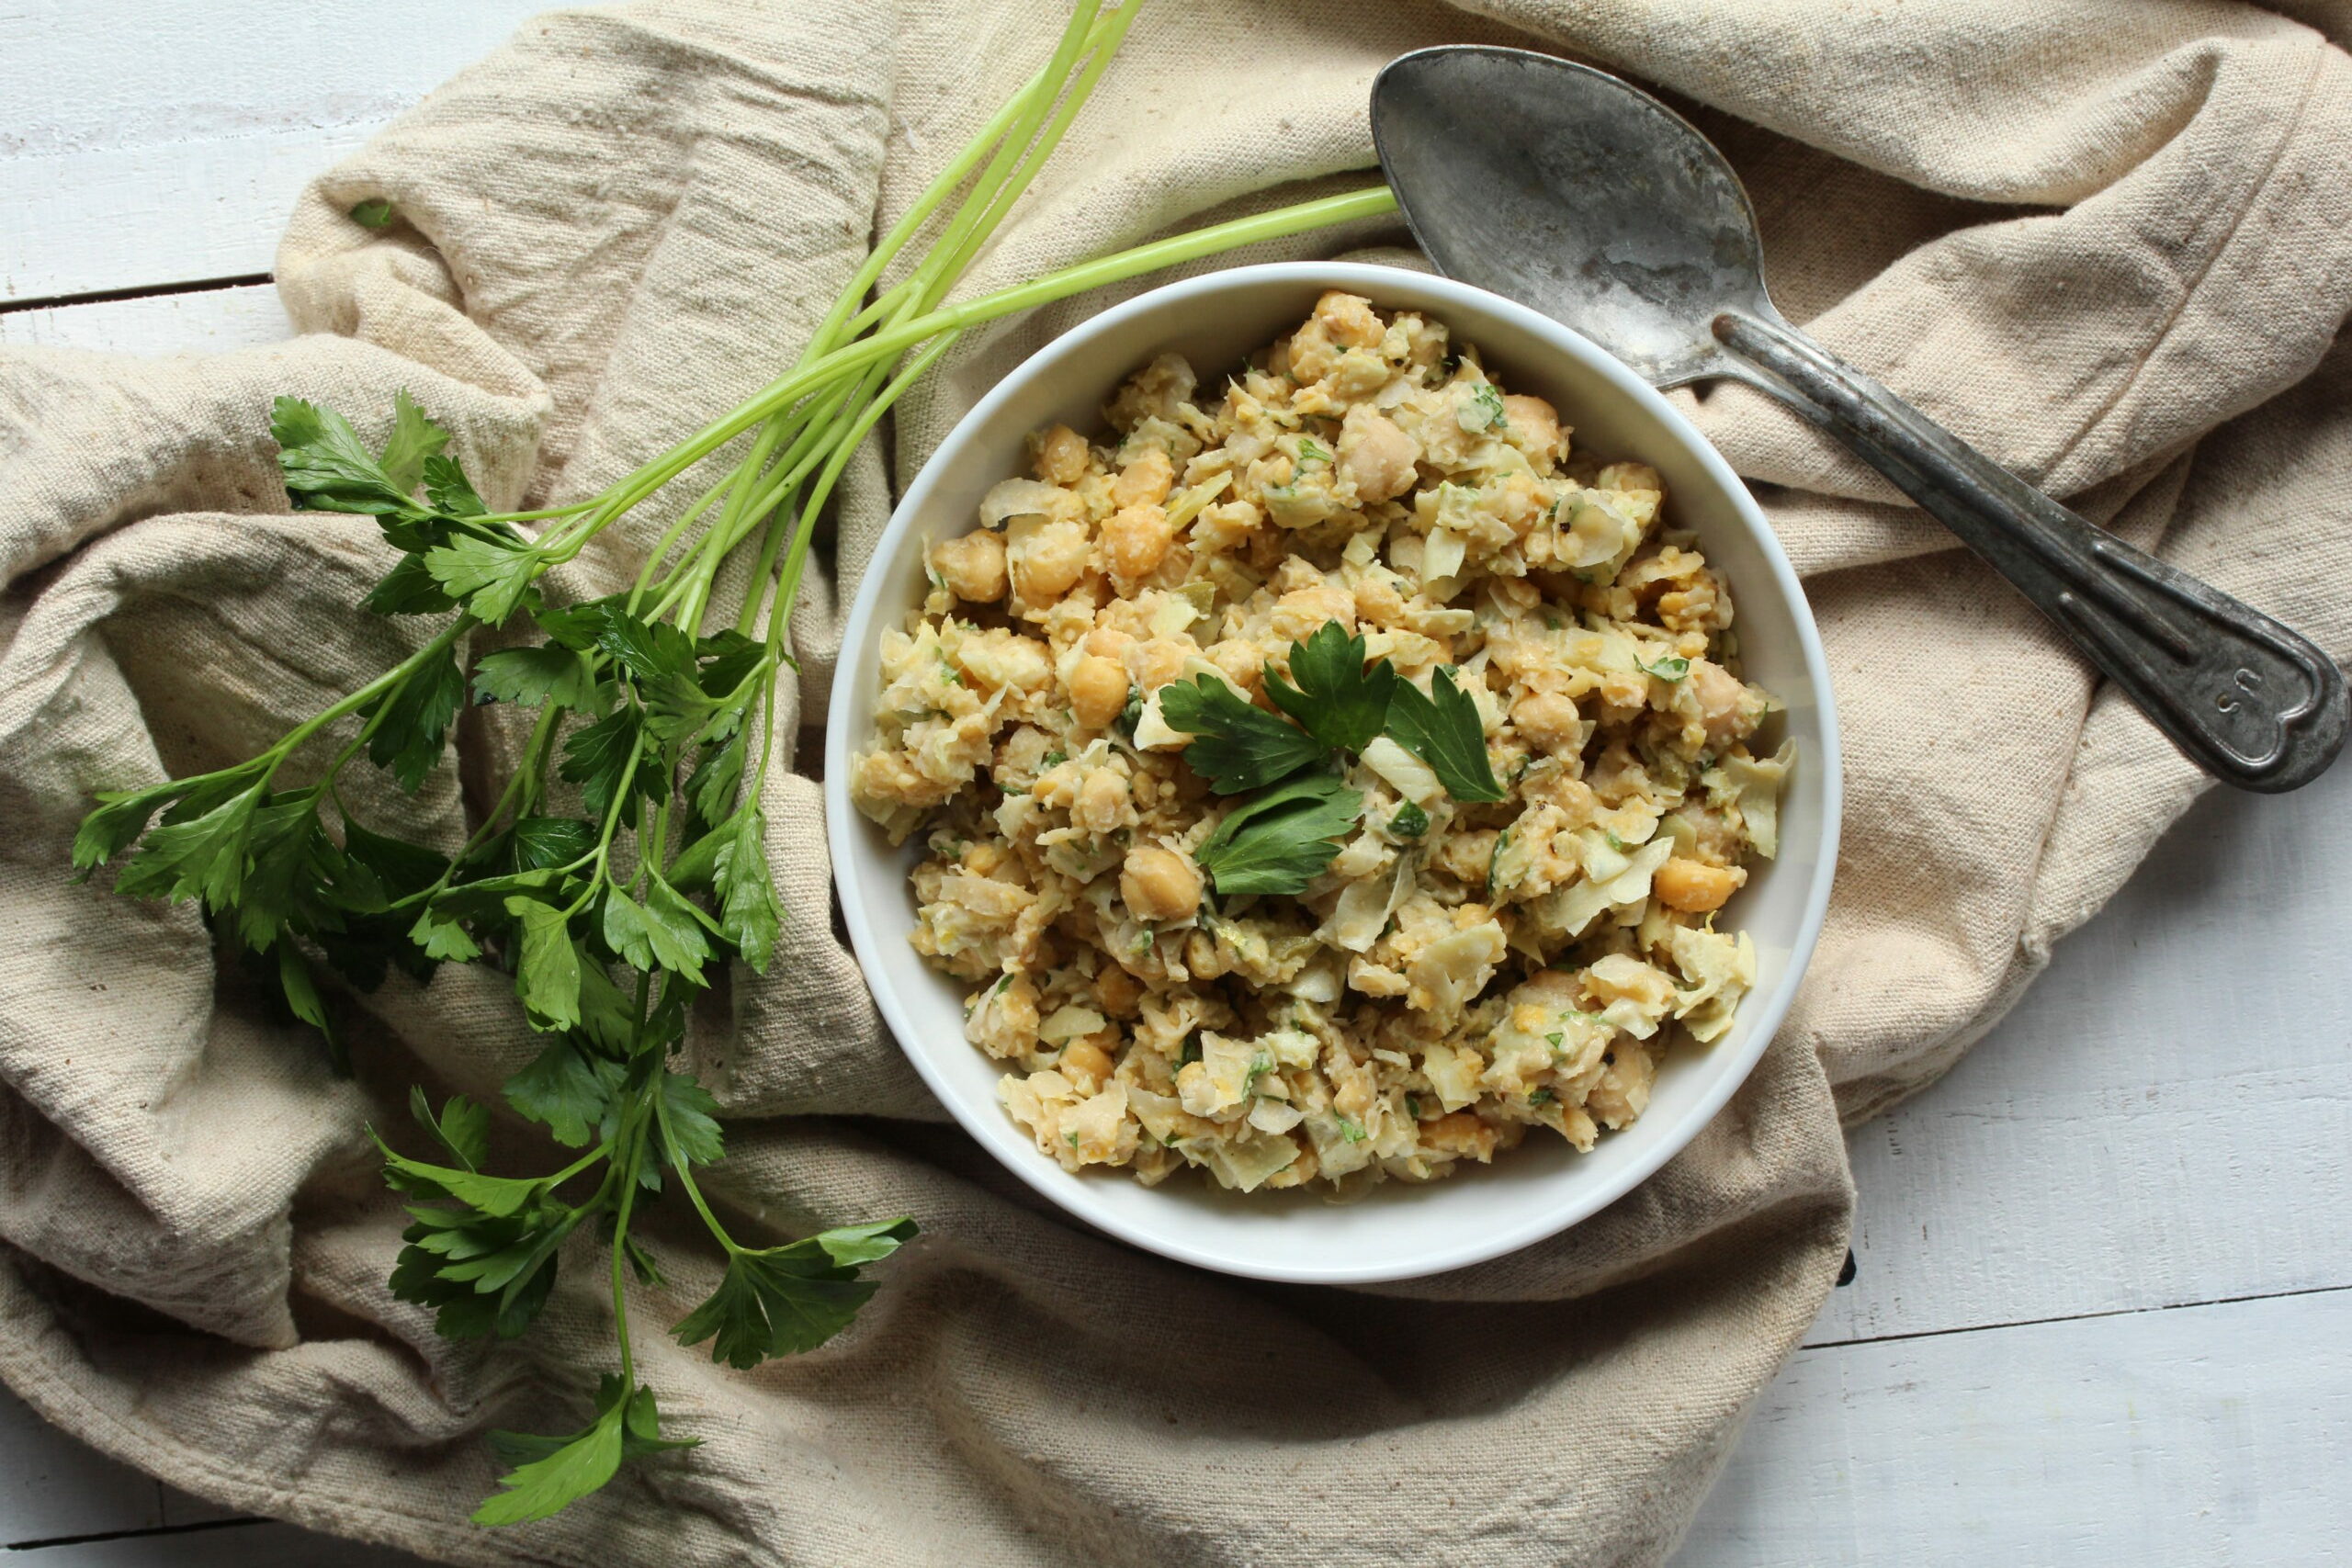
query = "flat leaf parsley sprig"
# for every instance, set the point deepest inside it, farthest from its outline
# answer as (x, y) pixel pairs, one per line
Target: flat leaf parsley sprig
(624, 865)
(1281, 838)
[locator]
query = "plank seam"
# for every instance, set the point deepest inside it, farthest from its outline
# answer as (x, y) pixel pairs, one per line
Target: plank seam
(128, 1535)
(2073, 1317)
(146, 291)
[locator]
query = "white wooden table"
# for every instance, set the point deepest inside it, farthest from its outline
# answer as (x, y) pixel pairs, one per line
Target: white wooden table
(2102, 1311)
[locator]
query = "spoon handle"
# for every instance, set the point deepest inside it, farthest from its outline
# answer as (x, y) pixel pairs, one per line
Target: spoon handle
(2251, 702)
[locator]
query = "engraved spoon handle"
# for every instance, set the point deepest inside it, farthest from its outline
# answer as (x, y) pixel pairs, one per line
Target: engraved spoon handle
(2252, 702)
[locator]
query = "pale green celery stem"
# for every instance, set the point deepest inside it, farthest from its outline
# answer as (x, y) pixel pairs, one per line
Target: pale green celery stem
(1016, 163)
(1060, 284)
(789, 583)
(669, 536)
(1023, 107)
(823, 412)
(1116, 26)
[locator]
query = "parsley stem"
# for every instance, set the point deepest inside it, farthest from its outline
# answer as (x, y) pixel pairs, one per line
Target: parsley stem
(686, 1180)
(368, 692)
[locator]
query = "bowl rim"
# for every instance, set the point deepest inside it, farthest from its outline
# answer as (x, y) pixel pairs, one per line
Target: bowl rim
(1069, 1192)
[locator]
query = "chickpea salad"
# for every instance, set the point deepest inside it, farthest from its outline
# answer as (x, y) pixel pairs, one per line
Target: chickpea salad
(1327, 778)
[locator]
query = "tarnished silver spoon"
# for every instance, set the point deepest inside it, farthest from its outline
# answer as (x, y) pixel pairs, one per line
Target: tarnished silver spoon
(1571, 192)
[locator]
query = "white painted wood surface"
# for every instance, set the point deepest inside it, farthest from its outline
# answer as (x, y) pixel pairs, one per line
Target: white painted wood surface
(2104, 1282)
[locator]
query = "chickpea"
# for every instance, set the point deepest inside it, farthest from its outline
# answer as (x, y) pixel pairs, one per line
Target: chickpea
(1047, 561)
(1145, 481)
(1548, 720)
(1108, 641)
(1348, 319)
(1376, 456)
(1459, 1133)
(1298, 614)
(1134, 541)
(1155, 663)
(1378, 602)
(1159, 885)
(1085, 1064)
(972, 567)
(1101, 801)
(1536, 422)
(1061, 455)
(1117, 992)
(1097, 691)
(1693, 886)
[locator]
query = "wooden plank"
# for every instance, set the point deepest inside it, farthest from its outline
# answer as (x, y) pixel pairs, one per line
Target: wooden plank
(211, 322)
(155, 141)
(52, 1485)
(2162, 1121)
(2198, 1434)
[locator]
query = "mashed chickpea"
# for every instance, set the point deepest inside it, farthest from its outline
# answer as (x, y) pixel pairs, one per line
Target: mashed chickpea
(1459, 972)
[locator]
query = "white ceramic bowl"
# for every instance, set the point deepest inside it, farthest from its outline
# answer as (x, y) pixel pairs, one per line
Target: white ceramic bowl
(1542, 1187)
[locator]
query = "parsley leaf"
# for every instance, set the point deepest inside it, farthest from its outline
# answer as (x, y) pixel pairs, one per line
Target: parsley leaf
(1339, 699)
(661, 934)
(1445, 730)
(120, 816)
(690, 1121)
(327, 470)
(490, 576)
(566, 1091)
(443, 938)
(447, 486)
(548, 977)
(1235, 746)
(543, 843)
(1673, 667)
(462, 1127)
(1281, 839)
(599, 760)
(414, 439)
(408, 590)
(416, 715)
(552, 1473)
(201, 856)
(747, 911)
(1410, 822)
(718, 775)
(791, 1298)
(529, 676)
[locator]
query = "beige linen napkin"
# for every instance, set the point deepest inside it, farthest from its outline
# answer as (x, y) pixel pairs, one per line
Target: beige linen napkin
(2110, 243)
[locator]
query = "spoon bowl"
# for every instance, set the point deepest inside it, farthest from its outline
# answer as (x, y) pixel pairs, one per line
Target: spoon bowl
(1598, 206)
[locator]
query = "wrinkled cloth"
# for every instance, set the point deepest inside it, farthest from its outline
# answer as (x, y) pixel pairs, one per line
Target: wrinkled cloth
(2109, 243)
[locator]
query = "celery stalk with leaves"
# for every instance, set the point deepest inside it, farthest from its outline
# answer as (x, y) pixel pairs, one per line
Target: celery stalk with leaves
(624, 865)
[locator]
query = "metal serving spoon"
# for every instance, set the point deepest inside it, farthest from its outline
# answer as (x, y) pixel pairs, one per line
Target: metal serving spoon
(1565, 189)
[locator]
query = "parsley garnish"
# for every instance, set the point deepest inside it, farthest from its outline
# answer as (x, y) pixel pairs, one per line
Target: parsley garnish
(1235, 746)
(1486, 405)
(1340, 700)
(1671, 667)
(1280, 840)
(1312, 451)
(1445, 732)
(1410, 822)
